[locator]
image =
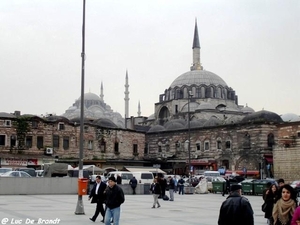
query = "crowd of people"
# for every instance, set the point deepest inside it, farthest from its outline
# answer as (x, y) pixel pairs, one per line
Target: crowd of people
(280, 201)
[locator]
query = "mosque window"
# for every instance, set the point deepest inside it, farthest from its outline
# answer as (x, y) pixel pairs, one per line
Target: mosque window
(246, 141)
(116, 148)
(198, 146)
(39, 142)
(206, 146)
(7, 123)
(34, 124)
(55, 141)
(219, 144)
(146, 149)
(28, 141)
(271, 140)
(159, 149)
(198, 93)
(66, 143)
(102, 145)
(135, 149)
(90, 145)
(2, 139)
(228, 144)
(61, 126)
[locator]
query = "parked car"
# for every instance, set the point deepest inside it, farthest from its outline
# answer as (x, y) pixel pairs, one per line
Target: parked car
(4, 170)
(15, 174)
(30, 171)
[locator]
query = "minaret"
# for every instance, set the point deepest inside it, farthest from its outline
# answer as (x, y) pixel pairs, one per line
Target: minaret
(196, 50)
(101, 92)
(139, 109)
(126, 97)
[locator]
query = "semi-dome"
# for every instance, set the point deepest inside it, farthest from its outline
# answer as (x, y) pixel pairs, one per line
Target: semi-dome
(173, 125)
(290, 117)
(262, 116)
(198, 77)
(247, 109)
(213, 121)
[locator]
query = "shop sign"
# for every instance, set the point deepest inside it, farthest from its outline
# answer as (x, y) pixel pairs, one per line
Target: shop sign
(13, 162)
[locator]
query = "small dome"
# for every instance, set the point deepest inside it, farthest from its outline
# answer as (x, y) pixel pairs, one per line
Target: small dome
(6, 115)
(55, 118)
(198, 77)
(156, 128)
(90, 96)
(195, 123)
(180, 121)
(262, 116)
(151, 117)
(193, 107)
(205, 105)
(171, 125)
(213, 121)
(233, 119)
(247, 110)
(290, 117)
(103, 122)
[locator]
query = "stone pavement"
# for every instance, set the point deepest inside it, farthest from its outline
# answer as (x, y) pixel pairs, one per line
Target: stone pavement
(197, 209)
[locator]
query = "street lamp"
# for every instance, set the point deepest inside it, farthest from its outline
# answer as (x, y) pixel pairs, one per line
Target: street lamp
(189, 138)
(79, 206)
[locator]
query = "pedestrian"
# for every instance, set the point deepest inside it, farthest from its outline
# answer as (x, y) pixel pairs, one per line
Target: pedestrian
(119, 179)
(156, 191)
(296, 217)
(133, 184)
(114, 198)
(227, 186)
(285, 206)
(236, 209)
(97, 196)
(181, 186)
(175, 184)
(171, 188)
(163, 185)
(270, 198)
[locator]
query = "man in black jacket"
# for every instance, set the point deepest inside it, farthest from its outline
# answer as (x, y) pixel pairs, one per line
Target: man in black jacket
(114, 198)
(97, 196)
(236, 210)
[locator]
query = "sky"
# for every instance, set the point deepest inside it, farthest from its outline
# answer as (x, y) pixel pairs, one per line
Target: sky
(253, 45)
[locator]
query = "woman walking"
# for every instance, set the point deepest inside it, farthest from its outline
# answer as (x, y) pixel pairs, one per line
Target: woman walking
(284, 208)
(270, 198)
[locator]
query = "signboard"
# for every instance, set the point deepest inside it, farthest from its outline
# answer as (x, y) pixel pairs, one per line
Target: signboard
(13, 162)
(156, 165)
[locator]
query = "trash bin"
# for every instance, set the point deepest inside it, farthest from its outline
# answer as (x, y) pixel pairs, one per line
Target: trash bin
(82, 186)
(259, 187)
(247, 187)
(218, 186)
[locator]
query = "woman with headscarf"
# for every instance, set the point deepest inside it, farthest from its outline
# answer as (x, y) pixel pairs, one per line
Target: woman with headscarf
(284, 208)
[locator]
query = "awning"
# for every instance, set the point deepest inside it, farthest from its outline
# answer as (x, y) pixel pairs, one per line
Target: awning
(269, 159)
(144, 169)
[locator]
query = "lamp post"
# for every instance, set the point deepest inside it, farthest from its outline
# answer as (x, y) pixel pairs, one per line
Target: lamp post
(79, 207)
(189, 138)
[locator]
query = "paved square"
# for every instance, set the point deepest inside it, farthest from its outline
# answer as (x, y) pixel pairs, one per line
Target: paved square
(200, 209)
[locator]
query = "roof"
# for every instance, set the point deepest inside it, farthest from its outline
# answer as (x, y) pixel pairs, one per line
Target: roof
(144, 169)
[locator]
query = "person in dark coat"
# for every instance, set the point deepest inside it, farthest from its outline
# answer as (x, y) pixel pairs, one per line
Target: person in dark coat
(133, 184)
(270, 198)
(119, 179)
(114, 198)
(97, 196)
(227, 186)
(236, 209)
(163, 185)
(156, 192)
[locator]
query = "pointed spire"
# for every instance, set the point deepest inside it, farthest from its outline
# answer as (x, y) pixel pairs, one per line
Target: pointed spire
(196, 42)
(196, 50)
(139, 109)
(101, 92)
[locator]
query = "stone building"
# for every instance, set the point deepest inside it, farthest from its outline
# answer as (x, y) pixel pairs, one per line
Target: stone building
(55, 138)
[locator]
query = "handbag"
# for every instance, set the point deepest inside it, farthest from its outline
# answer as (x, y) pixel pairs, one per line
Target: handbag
(264, 207)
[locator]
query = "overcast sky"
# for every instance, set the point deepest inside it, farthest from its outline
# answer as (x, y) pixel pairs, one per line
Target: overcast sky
(254, 45)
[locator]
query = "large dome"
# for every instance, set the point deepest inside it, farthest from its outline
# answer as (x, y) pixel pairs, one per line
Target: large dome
(90, 96)
(198, 77)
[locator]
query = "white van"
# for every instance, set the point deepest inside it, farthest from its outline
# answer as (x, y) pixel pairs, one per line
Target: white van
(209, 173)
(125, 175)
(143, 177)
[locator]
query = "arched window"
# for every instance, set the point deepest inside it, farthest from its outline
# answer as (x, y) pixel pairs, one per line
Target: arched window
(271, 141)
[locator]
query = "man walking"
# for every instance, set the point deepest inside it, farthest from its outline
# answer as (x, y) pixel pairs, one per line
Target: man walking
(181, 186)
(97, 196)
(114, 198)
(133, 184)
(236, 209)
